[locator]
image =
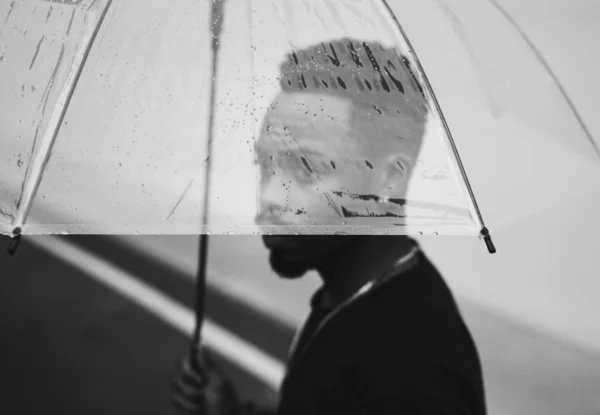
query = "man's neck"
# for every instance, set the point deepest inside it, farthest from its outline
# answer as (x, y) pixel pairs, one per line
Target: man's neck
(365, 259)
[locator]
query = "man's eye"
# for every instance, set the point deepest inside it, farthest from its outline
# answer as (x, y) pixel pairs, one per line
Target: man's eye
(298, 165)
(303, 171)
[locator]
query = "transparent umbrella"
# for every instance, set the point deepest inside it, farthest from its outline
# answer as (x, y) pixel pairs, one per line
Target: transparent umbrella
(106, 107)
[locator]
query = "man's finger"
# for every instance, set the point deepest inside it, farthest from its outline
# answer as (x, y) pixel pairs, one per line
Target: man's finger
(192, 375)
(189, 407)
(179, 387)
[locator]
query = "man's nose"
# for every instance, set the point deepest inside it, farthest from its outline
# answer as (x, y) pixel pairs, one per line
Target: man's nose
(273, 194)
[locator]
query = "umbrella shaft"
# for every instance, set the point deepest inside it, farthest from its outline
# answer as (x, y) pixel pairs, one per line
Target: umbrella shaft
(200, 296)
(203, 254)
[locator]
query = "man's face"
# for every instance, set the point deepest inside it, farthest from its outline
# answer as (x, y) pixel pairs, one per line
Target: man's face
(305, 152)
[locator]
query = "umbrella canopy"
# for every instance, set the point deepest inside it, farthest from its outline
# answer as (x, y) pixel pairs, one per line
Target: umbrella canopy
(356, 116)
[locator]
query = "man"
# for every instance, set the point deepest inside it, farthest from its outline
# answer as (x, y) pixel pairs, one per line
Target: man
(384, 335)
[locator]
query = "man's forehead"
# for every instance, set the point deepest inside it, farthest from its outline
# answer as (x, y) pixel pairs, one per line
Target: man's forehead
(294, 118)
(310, 108)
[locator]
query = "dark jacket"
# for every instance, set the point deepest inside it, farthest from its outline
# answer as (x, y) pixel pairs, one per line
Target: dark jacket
(401, 348)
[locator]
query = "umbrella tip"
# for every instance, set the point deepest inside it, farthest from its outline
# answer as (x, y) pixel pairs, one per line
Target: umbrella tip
(487, 238)
(14, 243)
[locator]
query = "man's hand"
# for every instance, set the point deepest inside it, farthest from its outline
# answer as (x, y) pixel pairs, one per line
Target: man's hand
(203, 389)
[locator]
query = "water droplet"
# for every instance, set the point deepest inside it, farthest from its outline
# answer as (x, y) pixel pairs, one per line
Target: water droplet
(64, 232)
(20, 163)
(420, 233)
(436, 234)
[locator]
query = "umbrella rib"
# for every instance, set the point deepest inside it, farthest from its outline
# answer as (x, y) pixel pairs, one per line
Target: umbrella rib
(546, 66)
(484, 230)
(56, 120)
(180, 199)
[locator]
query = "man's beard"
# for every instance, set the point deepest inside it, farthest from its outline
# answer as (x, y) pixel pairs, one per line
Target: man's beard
(289, 269)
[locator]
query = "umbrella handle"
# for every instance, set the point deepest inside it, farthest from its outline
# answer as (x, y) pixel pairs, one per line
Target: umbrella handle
(194, 355)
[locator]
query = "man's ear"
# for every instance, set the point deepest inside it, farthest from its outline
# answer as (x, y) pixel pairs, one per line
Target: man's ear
(394, 175)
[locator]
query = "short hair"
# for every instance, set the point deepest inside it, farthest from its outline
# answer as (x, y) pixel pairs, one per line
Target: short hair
(378, 81)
